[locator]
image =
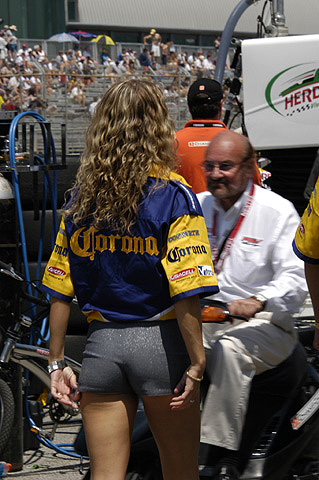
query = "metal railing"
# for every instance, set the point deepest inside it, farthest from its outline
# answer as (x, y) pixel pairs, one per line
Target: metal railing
(55, 100)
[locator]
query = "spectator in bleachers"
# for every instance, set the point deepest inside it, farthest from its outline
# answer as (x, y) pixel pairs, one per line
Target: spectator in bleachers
(70, 55)
(78, 94)
(37, 105)
(13, 82)
(21, 61)
(105, 59)
(31, 97)
(208, 65)
(5, 70)
(199, 62)
(131, 67)
(165, 53)
(77, 50)
(12, 102)
(86, 52)
(93, 105)
(182, 57)
(3, 49)
(51, 78)
(61, 58)
(72, 82)
(88, 71)
(144, 58)
(121, 55)
(2, 98)
(35, 80)
(192, 58)
(155, 38)
(23, 49)
(40, 54)
(12, 42)
(131, 55)
(172, 64)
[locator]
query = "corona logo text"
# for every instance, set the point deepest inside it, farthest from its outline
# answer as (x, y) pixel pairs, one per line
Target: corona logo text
(60, 250)
(86, 242)
(176, 254)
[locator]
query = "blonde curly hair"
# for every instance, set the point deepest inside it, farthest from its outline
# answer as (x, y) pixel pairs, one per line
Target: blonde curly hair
(131, 136)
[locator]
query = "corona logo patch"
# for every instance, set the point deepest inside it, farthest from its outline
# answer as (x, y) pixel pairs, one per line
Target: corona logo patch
(294, 93)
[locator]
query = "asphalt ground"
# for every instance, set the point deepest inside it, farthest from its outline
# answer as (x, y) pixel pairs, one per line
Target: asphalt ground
(45, 463)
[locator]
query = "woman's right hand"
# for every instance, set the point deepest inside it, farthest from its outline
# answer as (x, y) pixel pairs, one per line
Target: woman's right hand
(64, 387)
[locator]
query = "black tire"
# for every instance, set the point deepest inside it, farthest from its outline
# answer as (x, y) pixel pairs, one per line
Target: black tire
(6, 414)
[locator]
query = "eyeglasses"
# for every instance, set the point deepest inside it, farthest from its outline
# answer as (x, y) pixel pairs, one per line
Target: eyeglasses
(222, 167)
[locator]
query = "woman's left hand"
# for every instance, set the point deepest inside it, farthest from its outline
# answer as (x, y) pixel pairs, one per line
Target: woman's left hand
(187, 391)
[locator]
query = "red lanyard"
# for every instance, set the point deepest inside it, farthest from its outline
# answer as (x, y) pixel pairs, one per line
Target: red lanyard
(219, 257)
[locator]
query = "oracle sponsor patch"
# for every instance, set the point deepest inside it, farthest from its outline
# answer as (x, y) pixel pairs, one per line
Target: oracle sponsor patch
(182, 274)
(56, 271)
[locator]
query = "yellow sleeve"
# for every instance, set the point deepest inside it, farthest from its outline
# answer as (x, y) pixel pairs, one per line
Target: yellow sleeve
(57, 279)
(187, 259)
(306, 242)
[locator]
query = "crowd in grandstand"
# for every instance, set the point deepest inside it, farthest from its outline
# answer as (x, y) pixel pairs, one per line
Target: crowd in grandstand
(28, 78)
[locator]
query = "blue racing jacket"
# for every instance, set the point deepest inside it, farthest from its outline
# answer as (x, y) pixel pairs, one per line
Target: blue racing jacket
(140, 276)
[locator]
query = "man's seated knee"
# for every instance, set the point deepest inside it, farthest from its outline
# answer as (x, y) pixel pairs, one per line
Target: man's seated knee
(283, 379)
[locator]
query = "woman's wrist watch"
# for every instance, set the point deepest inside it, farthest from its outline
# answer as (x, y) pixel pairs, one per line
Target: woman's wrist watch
(56, 365)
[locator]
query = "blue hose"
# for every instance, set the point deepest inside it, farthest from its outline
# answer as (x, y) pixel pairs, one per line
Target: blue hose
(47, 183)
(227, 36)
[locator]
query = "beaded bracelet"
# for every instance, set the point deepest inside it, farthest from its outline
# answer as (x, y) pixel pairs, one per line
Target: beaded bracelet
(197, 379)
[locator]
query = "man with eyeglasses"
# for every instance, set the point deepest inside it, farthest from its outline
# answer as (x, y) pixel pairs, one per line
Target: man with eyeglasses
(250, 230)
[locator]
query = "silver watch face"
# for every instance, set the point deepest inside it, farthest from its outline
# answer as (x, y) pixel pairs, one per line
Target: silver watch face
(56, 365)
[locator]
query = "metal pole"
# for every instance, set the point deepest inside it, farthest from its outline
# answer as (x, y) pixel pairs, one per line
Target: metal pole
(227, 36)
(66, 109)
(278, 11)
(278, 26)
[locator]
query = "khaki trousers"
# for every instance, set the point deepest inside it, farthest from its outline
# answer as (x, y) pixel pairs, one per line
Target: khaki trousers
(234, 355)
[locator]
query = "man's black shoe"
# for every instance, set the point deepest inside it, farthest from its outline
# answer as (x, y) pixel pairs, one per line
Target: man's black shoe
(225, 472)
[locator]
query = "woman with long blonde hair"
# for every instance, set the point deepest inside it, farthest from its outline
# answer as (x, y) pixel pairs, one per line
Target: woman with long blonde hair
(133, 248)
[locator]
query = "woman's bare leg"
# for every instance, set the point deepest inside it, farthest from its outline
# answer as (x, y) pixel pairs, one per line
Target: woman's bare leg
(177, 436)
(108, 422)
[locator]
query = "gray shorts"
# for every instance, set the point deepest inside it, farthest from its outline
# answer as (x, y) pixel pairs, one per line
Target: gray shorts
(144, 358)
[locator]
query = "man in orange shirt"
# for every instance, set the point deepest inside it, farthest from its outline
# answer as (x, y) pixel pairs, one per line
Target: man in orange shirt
(204, 100)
